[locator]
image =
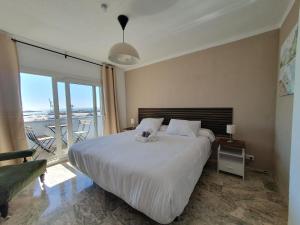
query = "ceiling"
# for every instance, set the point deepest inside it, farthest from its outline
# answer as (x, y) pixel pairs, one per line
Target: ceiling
(159, 29)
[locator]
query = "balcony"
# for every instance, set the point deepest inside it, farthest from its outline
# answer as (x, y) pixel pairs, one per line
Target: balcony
(41, 132)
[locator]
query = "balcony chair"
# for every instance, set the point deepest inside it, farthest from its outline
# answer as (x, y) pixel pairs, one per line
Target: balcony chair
(13, 178)
(44, 142)
(84, 127)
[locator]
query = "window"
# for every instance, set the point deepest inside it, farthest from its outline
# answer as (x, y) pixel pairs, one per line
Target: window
(59, 113)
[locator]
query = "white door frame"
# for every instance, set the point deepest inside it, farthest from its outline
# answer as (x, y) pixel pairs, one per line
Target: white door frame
(69, 114)
(56, 116)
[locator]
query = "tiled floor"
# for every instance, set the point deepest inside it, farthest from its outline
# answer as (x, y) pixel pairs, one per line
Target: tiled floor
(70, 197)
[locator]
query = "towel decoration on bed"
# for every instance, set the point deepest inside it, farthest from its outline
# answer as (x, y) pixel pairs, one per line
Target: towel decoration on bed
(146, 136)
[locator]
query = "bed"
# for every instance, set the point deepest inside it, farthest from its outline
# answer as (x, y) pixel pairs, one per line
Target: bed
(156, 178)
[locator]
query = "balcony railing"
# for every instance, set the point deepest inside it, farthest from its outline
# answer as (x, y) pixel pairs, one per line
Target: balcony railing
(41, 134)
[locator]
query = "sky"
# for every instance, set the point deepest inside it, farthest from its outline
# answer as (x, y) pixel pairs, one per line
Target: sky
(37, 90)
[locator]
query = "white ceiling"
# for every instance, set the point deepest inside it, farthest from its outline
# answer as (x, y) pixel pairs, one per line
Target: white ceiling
(159, 29)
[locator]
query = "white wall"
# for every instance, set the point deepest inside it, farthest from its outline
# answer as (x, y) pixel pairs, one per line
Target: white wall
(294, 196)
(38, 60)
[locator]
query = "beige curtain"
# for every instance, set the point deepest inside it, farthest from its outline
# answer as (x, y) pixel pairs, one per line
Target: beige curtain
(12, 134)
(111, 119)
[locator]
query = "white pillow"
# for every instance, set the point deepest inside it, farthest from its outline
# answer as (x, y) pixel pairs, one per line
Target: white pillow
(184, 127)
(150, 124)
(207, 133)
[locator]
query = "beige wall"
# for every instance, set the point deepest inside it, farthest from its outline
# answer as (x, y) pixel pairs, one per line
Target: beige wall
(283, 121)
(241, 75)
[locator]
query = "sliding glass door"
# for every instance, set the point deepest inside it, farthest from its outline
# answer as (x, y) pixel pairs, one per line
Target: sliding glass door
(59, 113)
(38, 113)
(82, 112)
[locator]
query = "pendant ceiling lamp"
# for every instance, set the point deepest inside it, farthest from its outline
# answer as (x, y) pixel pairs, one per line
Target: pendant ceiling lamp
(123, 53)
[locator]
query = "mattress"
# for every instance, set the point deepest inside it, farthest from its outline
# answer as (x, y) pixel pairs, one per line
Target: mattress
(156, 178)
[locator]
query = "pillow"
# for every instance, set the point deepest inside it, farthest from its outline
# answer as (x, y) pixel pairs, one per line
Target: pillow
(163, 128)
(207, 133)
(184, 127)
(150, 124)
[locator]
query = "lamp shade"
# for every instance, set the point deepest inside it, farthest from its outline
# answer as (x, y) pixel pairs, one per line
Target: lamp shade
(124, 54)
(230, 129)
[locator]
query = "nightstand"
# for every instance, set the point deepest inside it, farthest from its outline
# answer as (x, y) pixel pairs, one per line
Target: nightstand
(231, 157)
(128, 129)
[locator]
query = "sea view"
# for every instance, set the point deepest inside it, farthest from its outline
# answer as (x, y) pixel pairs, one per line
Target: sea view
(43, 115)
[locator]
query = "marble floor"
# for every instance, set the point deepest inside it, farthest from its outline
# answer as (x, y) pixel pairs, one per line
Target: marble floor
(69, 197)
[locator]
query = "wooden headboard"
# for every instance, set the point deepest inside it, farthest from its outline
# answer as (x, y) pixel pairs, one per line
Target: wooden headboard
(214, 119)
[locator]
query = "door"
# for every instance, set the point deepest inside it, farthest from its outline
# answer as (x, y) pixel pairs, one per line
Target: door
(39, 115)
(84, 118)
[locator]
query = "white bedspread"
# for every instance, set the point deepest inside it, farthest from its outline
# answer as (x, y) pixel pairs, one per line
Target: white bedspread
(156, 178)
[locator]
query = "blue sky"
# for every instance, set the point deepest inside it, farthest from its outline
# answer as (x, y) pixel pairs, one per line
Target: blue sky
(37, 90)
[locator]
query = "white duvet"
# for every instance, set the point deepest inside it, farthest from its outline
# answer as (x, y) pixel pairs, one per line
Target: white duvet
(156, 178)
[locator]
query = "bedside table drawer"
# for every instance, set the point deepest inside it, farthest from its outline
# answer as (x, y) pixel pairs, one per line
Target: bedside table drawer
(231, 166)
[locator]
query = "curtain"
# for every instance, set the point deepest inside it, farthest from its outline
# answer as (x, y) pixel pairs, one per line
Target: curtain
(111, 119)
(12, 134)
